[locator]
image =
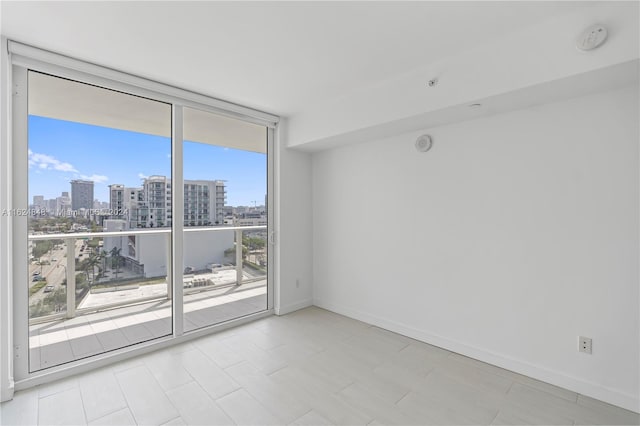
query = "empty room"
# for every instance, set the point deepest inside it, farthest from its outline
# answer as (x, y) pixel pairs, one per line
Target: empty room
(320, 213)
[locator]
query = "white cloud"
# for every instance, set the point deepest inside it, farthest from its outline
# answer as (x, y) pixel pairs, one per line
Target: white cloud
(65, 167)
(142, 176)
(95, 178)
(47, 162)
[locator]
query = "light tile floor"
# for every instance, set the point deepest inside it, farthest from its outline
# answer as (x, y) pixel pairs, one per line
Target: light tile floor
(311, 367)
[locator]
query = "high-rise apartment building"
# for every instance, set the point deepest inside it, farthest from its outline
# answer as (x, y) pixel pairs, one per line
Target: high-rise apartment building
(128, 204)
(150, 206)
(81, 194)
(157, 197)
(204, 202)
(117, 201)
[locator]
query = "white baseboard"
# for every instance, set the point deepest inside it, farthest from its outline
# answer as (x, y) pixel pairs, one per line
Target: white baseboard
(283, 310)
(611, 396)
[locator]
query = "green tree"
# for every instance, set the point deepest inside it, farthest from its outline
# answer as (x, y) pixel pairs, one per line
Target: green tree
(91, 263)
(93, 243)
(81, 281)
(41, 248)
(230, 253)
(83, 265)
(103, 256)
(256, 243)
(53, 302)
(116, 259)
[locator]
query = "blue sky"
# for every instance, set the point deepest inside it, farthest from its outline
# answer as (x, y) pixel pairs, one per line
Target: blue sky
(60, 151)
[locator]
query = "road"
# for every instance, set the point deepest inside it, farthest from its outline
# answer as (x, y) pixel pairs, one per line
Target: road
(55, 271)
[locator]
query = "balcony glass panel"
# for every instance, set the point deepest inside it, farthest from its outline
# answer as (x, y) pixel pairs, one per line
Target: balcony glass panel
(225, 274)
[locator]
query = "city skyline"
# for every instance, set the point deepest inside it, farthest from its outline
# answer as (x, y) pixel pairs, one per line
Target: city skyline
(61, 151)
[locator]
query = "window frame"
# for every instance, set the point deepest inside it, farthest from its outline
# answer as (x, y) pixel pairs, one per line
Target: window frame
(17, 60)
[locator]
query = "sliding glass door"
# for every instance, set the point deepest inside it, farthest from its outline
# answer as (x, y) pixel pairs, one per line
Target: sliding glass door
(98, 228)
(140, 217)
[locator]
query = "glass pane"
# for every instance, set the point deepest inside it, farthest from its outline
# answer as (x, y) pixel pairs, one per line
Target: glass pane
(225, 187)
(99, 162)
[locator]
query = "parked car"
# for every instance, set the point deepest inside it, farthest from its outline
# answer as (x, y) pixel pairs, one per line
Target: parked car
(37, 278)
(36, 273)
(48, 289)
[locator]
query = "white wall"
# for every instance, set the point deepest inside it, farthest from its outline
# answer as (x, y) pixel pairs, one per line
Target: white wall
(201, 249)
(151, 251)
(515, 234)
(294, 238)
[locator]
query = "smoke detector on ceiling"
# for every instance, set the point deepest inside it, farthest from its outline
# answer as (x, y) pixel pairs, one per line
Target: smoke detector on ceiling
(592, 37)
(423, 143)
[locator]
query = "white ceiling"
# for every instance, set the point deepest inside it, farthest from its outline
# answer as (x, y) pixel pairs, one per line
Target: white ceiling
(279, 57)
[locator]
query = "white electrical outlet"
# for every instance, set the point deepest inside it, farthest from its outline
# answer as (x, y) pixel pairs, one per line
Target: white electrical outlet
(584, 344)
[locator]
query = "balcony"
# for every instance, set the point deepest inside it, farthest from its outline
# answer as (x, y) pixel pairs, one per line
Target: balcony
(121, 305)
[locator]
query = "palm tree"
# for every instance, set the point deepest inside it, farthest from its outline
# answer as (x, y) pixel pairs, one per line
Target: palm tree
(103, 255)
(92, 262)
(115, 256)
(84, 267)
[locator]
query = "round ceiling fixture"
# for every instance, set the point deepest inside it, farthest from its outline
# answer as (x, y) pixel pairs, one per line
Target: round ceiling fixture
(592, 37)
(424, 143)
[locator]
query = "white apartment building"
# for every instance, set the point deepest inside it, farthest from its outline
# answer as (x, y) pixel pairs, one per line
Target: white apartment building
(116, 200)
(157, 199)
(127, 204)
(150, 206)
(204, 202)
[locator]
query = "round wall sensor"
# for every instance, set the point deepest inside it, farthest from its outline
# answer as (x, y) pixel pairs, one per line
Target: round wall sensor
(423, 143)
(592, 37)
